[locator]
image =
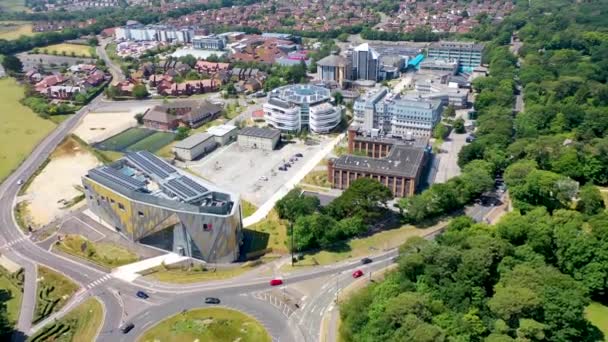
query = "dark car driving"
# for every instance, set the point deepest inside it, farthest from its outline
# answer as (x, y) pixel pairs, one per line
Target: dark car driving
(212, 300)
(142, 295)
(366, 261)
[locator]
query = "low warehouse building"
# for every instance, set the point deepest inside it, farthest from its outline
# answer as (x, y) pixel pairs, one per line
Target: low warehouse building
(194, 146)
(262, 138)
(223, 134)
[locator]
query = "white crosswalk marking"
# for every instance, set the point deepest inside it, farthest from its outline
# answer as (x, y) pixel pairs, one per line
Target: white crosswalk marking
(98, 281)
(13, 242)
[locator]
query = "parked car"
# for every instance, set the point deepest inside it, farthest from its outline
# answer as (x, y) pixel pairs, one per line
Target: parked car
(276, 282)
(212, 300)
(282, 168)
(142, 295)
(299, 155)
(20, 182)
(366, 261)
(470, 139)
(357, 273)
(264, 178)
(127, 327)
(287, 165)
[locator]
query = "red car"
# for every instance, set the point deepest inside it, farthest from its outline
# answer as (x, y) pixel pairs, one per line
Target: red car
(276, 282)
(357, 273)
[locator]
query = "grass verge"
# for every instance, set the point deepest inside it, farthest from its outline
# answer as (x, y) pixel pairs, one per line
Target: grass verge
(248, 208)
(276, 230)
(209, 324)
(197, 273)
(54, 290)
(358, 248)
(11, 293)
(80, 324)
(317, 178)
(597, 314)
(104, 254)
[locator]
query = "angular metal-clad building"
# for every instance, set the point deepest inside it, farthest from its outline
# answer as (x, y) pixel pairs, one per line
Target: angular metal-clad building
(148, 200)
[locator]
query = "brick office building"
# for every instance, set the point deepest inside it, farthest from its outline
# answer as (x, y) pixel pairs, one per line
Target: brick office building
(398, 164)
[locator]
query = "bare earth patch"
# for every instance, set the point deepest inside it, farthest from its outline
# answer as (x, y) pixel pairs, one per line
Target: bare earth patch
(96, 127)
(57, 183)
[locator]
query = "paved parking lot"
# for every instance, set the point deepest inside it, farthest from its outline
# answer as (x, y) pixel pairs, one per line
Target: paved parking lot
(242, 170)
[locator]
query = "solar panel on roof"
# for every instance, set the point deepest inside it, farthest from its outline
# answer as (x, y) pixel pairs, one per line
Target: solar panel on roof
(146, 165)
(194, 185)
(156, 161)
(180, 189)
(116, 178)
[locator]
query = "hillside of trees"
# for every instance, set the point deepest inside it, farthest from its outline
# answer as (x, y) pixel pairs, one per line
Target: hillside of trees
(529, 277)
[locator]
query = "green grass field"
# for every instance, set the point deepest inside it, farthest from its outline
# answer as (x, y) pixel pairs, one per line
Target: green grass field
(10, 30)
(13, 296)
(54, 290)
(105, 254)
(209, 324)
(66, 49)
(317, 178)
(20, 128)
(80, 324)
(13, 6)
(153, 142)
(122, 141)
(597, 314)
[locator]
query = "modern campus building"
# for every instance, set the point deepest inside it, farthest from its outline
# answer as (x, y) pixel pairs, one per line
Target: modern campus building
(211, 42)
(396, 163)
(467, 54)
(396, 115)
(366, 63)
(334, 68)
(148, 200)
(160, 33)
(298, 107)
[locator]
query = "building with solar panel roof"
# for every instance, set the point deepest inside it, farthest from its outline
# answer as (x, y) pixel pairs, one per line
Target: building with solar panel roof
(148, 200)
(298, 107)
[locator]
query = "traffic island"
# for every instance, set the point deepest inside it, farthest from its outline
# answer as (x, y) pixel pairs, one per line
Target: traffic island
(209, 324)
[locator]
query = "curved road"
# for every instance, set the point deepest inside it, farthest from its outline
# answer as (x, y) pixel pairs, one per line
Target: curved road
(164, 300)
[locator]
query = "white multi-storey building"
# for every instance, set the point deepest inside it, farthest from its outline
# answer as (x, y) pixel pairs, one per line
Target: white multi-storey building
(159, 33)
(396, 115)
(298, 107)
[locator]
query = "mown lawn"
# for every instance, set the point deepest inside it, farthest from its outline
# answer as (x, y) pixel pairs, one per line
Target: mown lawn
(597, 314)
(54, 290)
(209, 324)
(10, 30)
(80, 324)
(194, 275)
(153, 142)
(20, 128)
(66, 49)
(276, 229)
(102, 253)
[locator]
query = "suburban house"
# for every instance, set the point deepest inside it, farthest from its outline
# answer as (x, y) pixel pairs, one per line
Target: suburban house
(169, 116)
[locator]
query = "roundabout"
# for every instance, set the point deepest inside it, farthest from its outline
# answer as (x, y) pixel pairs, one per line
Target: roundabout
(208, 324)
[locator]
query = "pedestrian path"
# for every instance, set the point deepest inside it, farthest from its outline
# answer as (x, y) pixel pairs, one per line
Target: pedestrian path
(132, 271)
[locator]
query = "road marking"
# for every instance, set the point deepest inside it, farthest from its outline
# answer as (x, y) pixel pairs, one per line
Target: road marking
(13, 242)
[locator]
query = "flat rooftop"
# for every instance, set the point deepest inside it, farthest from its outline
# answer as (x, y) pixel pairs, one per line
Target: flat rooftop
(148, 178)
(456, 45)
(258, 132)
(404, 160)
